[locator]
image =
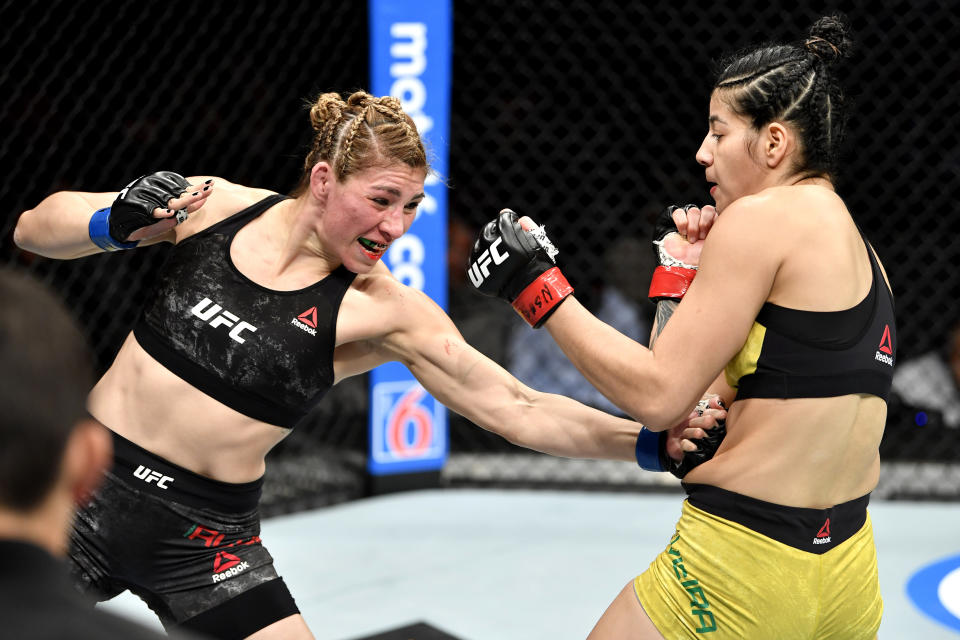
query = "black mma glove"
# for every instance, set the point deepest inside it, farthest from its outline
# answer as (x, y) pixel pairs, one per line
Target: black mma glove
(517, 265)
(651, 448)
(671, 278)
(133, 208)
(706, 446)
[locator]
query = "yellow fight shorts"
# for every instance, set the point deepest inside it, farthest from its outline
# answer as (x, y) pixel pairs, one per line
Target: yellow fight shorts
(745, 569)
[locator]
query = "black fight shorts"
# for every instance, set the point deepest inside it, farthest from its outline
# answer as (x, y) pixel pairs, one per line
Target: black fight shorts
(188, 546)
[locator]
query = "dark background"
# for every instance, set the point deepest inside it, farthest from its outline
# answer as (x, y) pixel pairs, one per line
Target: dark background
(585, 115)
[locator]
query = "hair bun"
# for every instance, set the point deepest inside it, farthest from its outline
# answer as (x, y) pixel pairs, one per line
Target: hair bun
(360, 99)
(363, 100)
(328, 107)
(829, 39)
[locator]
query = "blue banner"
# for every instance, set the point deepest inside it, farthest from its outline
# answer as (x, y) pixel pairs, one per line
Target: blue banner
(410, 57)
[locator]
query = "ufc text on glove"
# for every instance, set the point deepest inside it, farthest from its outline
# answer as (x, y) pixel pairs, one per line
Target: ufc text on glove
(518, 265)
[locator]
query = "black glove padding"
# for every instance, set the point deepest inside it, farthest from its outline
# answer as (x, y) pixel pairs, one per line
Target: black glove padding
(506, 259)
(706, 447)
(133, 208)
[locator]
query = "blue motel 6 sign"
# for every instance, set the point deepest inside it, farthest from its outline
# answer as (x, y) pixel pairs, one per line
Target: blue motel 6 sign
(410, 54)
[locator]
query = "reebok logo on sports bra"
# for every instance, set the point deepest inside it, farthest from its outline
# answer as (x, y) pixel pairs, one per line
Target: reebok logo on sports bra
(205, 312)
(885, 350)
(307, 321)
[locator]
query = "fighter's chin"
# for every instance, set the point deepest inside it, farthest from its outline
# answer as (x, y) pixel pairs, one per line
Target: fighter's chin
(362, 261)
(358, 267)
(719, 202)
(714, 189)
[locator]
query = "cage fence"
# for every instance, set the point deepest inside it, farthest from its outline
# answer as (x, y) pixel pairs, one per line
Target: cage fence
(584, 115)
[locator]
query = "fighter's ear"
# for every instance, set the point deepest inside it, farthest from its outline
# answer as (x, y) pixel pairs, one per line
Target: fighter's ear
(778, 141)
(88, 453)
(320, 178)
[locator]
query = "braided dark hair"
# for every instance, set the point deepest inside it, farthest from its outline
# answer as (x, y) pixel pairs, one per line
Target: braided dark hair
(793, 83)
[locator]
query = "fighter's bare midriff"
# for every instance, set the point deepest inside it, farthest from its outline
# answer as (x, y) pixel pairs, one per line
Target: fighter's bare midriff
(144, 402)
(801, 452)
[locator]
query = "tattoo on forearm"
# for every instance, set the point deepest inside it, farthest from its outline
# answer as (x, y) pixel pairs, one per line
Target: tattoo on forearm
(665, 309)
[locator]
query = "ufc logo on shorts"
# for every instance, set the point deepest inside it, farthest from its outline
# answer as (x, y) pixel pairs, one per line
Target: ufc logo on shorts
(206, 309)
(480, 270)
(149, 475)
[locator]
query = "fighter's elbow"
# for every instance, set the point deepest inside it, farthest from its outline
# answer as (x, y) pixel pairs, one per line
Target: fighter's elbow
(23, 235)
(515, 437)
(528, 437)
(660, 411)
(519, 424)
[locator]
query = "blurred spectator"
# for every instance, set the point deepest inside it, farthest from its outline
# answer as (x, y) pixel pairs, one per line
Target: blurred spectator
(931, 382)
(621, 302)
(51, 455)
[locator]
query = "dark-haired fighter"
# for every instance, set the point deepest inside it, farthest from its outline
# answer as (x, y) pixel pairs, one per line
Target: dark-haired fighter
(791, 305)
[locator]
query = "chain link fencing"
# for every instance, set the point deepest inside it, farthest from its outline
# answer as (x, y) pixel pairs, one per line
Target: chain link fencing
(584, 115)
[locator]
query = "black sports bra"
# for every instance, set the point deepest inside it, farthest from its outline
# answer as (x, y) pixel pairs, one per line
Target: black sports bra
(267, 354)
(816, 354)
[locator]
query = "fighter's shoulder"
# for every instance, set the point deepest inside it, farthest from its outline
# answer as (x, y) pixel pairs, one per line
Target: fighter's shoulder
(755, 228)
(379, 285)
(377, 305)
(392, 301)
(778, 212)
(226, 199)
(745, 218)
(754, 209)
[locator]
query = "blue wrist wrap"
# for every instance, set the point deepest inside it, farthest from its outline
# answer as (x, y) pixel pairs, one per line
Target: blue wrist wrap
(99, 230)
(648, 450)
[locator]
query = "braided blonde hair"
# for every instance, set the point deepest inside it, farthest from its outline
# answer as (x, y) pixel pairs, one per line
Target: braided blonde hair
(359, 133)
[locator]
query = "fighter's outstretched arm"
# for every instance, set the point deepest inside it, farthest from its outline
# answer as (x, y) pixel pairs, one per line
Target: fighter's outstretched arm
(416, 332)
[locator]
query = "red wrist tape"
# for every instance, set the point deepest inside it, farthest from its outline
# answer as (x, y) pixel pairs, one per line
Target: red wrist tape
(670, 282)
(541, 297)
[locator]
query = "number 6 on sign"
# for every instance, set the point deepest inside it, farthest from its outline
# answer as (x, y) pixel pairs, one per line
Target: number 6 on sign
(409, 428)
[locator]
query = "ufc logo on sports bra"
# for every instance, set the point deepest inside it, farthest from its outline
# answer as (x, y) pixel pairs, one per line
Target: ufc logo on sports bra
(206, 309)
(480, 270)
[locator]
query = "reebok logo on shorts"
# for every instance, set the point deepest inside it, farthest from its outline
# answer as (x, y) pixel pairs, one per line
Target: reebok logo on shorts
(307, 321)
(226, 565)
(823, 536)
(885, 350)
